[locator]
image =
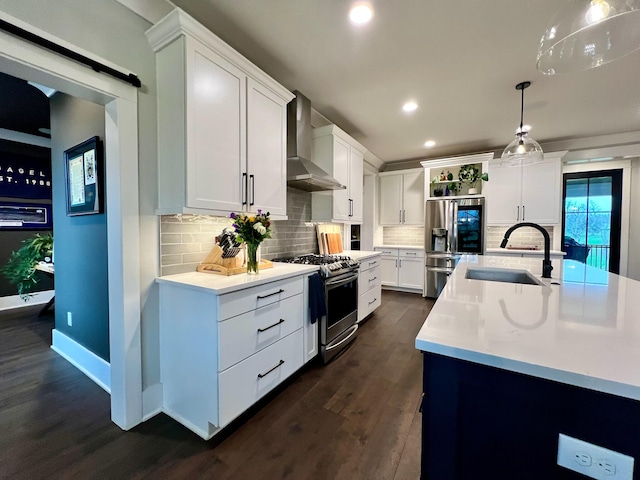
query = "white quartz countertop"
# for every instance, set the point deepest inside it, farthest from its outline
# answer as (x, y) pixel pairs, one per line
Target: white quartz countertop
(221, 284)
(582, 329)
(409, 247)
(360, 254)
(518, 251)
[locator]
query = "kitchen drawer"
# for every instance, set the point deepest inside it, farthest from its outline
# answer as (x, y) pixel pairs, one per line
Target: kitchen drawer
(368, 302)
(250, 332)
(411, 253)
(242, 301)
(242, 385)
(387, 252)
(369, 263)
(369, 279)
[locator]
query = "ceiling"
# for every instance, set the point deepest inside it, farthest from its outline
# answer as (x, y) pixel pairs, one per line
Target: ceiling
(23, 108)
(458, 59)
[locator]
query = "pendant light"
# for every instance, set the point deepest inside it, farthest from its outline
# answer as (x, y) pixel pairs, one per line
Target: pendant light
(586, 34)
(523, 150)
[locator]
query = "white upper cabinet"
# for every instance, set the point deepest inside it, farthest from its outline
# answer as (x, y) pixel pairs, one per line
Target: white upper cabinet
(266, 150)
(343, 158)
(221, 125)
(402, 197)
(525, 194)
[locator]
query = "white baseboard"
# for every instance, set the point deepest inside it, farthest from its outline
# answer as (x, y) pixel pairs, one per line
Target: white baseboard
(151, 401)
(94, 367)
(14, 301)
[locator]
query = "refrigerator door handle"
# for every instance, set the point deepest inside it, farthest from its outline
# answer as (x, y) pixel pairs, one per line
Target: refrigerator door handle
(453, 227)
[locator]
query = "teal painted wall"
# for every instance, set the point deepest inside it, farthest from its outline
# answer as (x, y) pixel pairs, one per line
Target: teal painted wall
(80, 241)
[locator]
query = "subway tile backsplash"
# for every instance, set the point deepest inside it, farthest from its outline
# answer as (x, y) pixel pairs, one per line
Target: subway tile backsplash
(185, 240)
(524, 236)
(413, 236)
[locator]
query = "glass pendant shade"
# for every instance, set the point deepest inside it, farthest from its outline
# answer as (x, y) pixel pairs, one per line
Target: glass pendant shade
(522, 151)
(586, 34)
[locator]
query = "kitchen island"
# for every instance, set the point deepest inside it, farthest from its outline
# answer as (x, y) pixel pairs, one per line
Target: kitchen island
(508, 367)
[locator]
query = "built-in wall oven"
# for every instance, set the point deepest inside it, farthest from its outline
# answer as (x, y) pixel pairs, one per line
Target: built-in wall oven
(339, 276)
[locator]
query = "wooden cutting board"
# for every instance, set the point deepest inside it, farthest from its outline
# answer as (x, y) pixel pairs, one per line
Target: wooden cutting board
(329, 238)
(324, 244)
(335, 243)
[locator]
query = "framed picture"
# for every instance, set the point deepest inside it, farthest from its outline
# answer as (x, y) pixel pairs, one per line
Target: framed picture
(84, 171)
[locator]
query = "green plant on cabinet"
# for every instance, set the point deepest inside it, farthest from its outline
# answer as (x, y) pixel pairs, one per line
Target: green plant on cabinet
(471, 174)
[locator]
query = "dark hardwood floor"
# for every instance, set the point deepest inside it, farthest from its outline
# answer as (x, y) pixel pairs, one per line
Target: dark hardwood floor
(356, 418)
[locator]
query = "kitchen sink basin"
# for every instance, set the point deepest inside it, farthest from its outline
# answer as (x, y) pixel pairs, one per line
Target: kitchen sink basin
(502, 275)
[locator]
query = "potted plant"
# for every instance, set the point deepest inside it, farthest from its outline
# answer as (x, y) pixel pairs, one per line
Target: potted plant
(437, 188)
(21, 270)
(470, 174)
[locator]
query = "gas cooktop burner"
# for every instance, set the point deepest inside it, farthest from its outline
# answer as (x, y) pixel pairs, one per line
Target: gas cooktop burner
(330, 265)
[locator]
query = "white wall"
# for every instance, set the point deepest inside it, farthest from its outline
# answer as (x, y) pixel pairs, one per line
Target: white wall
(633, 266)
(111, 31)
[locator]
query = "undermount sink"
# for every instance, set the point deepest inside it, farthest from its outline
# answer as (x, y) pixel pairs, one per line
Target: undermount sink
(502, 275)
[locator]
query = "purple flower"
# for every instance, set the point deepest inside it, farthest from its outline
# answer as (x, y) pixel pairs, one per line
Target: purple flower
(259, 211)
(234, 225)
(233, 215)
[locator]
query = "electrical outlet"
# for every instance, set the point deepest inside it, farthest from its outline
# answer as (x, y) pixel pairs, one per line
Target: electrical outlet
(592, 460)
(69, 319)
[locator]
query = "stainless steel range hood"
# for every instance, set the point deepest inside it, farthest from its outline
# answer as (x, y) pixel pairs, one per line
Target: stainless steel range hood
(302, 173)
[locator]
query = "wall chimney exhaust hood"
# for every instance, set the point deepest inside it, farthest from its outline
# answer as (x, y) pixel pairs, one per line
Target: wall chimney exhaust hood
(302, 173)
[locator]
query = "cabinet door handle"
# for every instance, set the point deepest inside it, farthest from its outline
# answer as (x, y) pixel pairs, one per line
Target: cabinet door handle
(400, 263)
(372, 263)
(244, 188)
(523, 213)
(396, 263)
(372, 279)
(518, 216)
(410, 253)
(260, 297)
(400, 216)
(252, 179)
(260, 330)
(262, 375)
(373, 301)
(404, 216)
(351, 207)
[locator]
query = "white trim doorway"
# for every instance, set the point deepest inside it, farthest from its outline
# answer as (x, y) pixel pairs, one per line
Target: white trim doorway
(25, 60)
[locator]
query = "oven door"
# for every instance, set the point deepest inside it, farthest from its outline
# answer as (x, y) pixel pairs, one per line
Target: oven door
(341, 294)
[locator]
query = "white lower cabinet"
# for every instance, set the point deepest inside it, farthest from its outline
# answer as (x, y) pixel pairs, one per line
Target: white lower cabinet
(248, 381)
(369, 286)
(219, 354)
(402, 268)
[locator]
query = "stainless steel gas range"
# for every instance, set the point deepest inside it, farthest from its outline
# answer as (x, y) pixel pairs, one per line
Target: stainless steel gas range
(340, 280)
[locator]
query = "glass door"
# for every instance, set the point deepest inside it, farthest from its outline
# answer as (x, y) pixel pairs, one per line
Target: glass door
(591, 218)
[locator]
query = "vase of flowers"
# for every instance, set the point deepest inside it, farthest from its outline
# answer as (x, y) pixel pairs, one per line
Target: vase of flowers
(470, 174)
(252, 230)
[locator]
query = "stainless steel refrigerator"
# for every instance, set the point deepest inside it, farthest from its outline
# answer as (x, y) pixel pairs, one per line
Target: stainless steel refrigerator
(453, 227)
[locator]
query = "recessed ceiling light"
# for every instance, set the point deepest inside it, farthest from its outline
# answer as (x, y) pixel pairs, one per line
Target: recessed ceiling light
(410, 106)
(360, 13)
(429, 143)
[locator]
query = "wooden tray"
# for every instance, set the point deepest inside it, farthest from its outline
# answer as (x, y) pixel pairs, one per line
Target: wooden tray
(222, 270)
